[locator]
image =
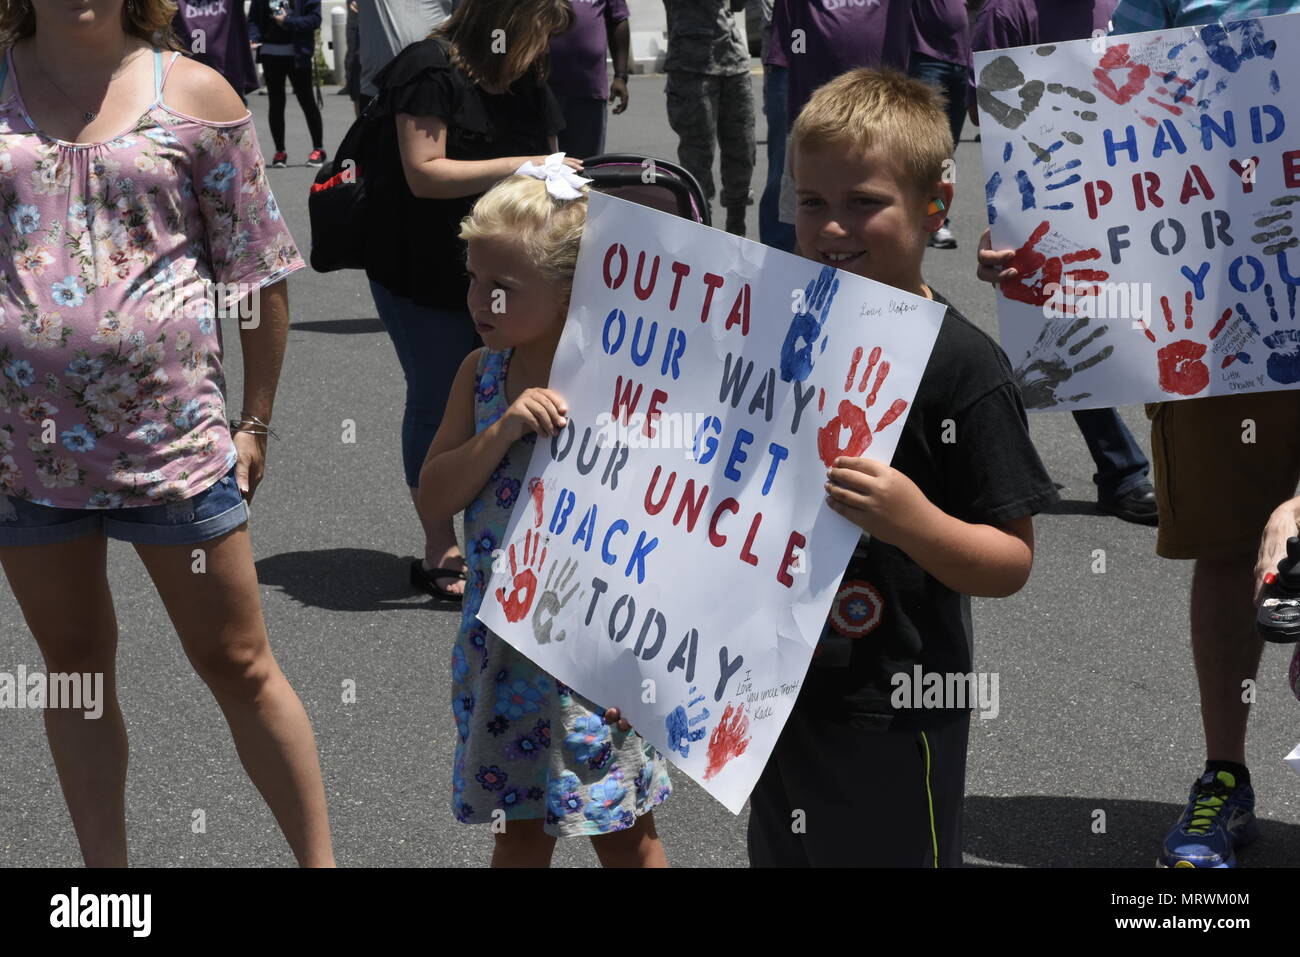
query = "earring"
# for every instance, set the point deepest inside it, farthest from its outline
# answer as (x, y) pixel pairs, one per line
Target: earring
(937, 205)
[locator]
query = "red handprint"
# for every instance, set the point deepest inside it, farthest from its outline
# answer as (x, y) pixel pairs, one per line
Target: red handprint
(1117, 58)
(523, 582)
(1029, 261)
(853, 417)
(728, 740)
(1181, 368)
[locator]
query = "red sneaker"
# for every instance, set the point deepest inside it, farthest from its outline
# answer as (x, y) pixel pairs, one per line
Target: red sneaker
(317, 158)
(280, 160)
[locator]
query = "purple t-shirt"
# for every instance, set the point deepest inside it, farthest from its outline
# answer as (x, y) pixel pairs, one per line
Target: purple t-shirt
(225, 39)
(578, 56)
(1016, 23)
(941, 29)
(1002, 24)
(838, 36)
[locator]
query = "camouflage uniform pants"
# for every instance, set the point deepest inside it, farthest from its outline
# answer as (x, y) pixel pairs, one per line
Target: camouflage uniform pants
(703, 107)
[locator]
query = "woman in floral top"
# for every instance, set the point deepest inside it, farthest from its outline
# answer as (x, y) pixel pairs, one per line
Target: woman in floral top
(134, 220)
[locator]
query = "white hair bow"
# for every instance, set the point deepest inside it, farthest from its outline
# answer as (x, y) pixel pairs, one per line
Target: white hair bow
(562, 181)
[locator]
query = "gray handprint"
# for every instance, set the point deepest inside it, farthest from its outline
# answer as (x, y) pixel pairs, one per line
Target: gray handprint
(550, 601)
(1277, 234)
(1000, 75)
(1050, 362)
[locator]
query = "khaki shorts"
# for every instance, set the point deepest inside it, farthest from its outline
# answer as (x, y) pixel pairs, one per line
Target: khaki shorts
(1215, 489)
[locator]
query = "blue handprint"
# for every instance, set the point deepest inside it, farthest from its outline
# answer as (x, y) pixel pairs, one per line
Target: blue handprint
(1284, 362)
(679, 724)
(1218, 47)
(1253, 43)
(1024, 182)
(814, 309)
(991, 189)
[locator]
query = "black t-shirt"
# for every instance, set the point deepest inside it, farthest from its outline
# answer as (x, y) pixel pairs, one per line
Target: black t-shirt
(412, 246)
(966, 445)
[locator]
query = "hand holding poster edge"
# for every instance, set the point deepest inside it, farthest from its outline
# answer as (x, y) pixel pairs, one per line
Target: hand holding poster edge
(736, 730)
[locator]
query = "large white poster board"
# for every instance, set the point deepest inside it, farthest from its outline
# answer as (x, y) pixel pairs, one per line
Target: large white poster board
(673, 555)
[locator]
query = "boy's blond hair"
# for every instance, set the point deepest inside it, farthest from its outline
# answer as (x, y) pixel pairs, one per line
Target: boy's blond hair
(901, 117)
(519, 207)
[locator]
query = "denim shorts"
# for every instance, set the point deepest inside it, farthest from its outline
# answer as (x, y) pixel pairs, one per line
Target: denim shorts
(218, 509)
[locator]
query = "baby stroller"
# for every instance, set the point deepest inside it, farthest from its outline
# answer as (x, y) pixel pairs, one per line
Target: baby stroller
(671, 188)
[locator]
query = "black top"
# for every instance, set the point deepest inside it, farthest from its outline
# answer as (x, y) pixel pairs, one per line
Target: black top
(980, 467)
(412, 247)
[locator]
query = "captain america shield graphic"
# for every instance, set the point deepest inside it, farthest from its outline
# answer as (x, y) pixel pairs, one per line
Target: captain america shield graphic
(857, 609)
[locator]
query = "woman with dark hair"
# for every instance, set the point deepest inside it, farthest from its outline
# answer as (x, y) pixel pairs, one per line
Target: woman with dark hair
(283, 32)
(136, 199)
(461, 110)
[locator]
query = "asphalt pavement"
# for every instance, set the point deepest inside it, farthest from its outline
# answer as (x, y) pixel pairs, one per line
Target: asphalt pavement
(1098, 703)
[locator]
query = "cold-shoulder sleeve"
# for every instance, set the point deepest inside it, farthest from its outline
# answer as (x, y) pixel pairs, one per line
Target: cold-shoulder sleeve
(247, 240)
(422, 81)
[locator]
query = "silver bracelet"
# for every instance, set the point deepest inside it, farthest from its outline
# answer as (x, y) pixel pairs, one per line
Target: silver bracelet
(245, 417)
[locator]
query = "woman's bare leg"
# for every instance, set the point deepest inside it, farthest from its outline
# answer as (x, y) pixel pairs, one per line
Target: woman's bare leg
(63, 592)
(218, 615)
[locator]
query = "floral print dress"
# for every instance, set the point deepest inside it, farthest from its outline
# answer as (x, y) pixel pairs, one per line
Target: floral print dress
(526, 744)
(116, 259)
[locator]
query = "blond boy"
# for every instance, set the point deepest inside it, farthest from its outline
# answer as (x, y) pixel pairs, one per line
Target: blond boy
(870, 769)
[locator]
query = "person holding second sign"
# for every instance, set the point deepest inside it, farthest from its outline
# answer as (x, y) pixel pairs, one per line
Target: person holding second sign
(868, 771)
(1201, 458)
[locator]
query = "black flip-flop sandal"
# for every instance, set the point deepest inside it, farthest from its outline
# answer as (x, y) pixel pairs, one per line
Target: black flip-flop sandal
(423, 580)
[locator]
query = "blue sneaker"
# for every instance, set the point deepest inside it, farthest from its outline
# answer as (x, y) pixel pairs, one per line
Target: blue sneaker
(1219, 818)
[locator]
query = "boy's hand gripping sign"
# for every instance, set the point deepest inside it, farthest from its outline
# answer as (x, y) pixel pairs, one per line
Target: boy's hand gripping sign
(1150, 185)
(672, 554)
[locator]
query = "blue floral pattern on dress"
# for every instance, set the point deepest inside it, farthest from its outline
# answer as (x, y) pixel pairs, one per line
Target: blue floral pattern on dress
(603, 809)
(518, 698)
(579, 787)
(588, 737)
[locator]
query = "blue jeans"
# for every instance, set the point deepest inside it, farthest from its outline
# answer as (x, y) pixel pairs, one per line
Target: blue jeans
(218, 509)
(776, 87)
(583, 135)
(1121, 466)
(950, 79)
(430, 344)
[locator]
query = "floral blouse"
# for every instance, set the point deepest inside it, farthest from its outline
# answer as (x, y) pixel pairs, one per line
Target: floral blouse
(116, 260)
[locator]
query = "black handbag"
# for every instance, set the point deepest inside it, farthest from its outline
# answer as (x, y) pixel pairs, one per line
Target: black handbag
(338, 201)
(345, 189)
